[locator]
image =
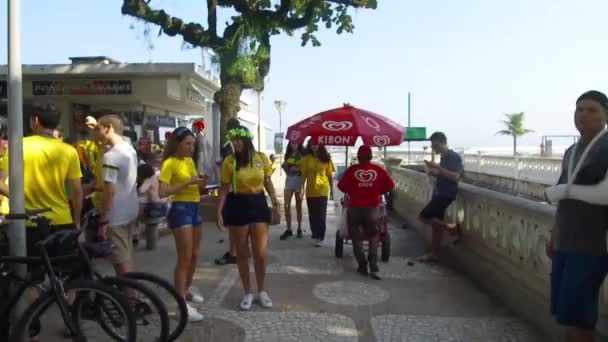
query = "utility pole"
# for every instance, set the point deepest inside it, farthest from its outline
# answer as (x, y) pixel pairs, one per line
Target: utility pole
(409, 123)
(16, 232)
(259, 122)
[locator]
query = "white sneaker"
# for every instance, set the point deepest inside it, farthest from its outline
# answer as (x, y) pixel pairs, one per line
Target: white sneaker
(194, 296)
(194, 315)
(319, 243)
(265, 301)
(246, 302)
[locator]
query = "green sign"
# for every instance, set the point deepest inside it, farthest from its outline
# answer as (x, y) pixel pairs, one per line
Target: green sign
(415, 134)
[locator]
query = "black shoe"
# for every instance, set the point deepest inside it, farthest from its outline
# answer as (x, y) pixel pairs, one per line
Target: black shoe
(226, 259)
(363, 270)
(286, 235)
(299, 236)
(374, 275)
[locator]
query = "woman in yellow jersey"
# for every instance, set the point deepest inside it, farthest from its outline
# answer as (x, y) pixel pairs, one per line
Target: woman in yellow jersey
(179, 179)
(293, 185)
(243, 209)
(318, 169)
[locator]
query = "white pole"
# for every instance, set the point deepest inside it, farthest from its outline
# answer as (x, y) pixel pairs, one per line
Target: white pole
(15, 141)
(259, 124)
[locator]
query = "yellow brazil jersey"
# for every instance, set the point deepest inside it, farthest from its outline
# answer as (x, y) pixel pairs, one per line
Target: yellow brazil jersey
(249, 179)
(176, 171)
(317, 176)
(47, 164)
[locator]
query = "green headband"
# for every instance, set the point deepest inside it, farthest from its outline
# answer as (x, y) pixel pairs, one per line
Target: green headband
(239, 133)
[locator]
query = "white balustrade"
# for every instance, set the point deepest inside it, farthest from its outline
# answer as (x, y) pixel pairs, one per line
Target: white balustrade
(504, 233)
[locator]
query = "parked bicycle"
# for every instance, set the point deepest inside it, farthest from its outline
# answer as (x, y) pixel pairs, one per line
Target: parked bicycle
(98, 303)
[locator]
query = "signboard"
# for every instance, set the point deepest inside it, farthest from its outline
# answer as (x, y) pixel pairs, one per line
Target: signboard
(194, 96)
(160, 120)
(81, 87)
(3, 89)
(278, 143)
(415, 134)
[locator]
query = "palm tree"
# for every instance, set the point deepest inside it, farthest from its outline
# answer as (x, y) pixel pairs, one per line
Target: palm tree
(515, 128)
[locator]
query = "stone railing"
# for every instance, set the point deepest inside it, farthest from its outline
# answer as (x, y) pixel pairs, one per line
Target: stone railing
(530, 169)
(503, 243)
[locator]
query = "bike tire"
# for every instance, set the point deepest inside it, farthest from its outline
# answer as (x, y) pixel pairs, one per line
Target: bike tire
(151, 281)
(21, 331)
(122, 284)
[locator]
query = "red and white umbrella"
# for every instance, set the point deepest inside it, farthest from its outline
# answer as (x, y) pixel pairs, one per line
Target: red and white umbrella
(343, 126)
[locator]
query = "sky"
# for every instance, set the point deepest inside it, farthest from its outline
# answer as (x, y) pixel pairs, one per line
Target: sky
(465, 62)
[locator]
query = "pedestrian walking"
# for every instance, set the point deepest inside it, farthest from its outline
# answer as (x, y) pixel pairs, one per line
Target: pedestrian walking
(179, 179)
(294, 182)
(244, 211)
(364, 184)
(318, 169)
(577, 247)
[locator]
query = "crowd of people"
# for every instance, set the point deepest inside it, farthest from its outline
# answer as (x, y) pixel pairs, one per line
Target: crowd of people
(102, 174)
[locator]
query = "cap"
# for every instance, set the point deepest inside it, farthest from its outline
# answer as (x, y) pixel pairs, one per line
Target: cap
(364, 151)
(90, 122)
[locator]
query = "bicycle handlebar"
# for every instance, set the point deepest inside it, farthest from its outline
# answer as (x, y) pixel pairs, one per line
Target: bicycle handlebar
(60, 237)
(29, 214)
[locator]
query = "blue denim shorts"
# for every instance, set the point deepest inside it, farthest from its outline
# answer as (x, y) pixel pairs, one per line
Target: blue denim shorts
(575, 287)
(184, 214)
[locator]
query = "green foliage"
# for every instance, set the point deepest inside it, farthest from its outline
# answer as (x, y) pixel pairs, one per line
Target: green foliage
(514, 124)
(243, 49)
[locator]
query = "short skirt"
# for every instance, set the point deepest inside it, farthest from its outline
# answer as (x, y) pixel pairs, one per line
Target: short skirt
(294, 183)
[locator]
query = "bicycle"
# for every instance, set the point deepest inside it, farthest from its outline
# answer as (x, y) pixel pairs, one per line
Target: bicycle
(100, 298)
(159, 285)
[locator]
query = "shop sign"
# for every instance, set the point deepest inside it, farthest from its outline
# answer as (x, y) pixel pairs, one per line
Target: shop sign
(81, 87)
(194, 96)
(160, 120)
(3, 89)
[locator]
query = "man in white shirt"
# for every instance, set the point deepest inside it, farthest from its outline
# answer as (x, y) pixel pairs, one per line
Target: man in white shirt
(120, 202)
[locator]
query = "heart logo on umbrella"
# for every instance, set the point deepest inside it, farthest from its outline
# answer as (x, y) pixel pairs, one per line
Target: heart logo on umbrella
(337, 125)
(381, 140)
(372, 123)
(364, 176)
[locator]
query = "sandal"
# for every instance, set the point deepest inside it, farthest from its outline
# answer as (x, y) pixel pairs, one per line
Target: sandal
(246, 302)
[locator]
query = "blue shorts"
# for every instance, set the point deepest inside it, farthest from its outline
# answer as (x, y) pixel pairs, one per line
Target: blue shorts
(575, 287)
(184, 214)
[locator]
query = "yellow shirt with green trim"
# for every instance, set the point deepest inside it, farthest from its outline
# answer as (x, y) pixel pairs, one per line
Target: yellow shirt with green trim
(317, 176)
(249, 179)
(176, 171)
(47, 164)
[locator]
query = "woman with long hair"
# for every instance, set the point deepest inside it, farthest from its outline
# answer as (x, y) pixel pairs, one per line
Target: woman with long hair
(293, 185)
(317, 169)
(243, 209)
(179, 179)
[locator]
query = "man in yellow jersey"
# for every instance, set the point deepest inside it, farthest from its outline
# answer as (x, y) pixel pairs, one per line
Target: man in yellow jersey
(47, 165)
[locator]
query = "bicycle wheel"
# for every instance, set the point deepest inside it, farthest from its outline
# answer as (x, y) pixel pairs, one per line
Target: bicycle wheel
(173, 301)
(96, 293)
(150, 312)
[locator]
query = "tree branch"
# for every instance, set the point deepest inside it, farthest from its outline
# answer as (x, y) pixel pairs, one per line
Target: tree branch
(356, 3)
(212, 17)
(192, 33)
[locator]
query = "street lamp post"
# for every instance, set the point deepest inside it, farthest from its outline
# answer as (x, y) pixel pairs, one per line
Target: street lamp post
(15, 141)
(281, 105)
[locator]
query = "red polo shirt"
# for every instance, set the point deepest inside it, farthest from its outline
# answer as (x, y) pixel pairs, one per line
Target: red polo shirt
(365, 184)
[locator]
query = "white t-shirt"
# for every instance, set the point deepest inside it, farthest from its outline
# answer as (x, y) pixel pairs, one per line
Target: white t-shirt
(120, 168)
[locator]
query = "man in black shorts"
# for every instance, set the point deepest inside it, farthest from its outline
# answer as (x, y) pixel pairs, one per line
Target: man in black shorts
(447, 174)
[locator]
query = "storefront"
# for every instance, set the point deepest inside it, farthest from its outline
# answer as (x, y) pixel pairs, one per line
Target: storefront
(151, 98)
